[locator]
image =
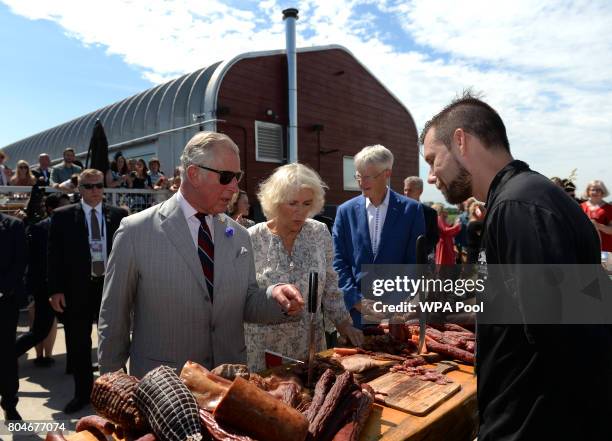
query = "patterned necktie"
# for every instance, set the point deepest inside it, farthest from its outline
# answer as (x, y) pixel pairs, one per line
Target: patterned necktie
(97, 267)
(206, 252)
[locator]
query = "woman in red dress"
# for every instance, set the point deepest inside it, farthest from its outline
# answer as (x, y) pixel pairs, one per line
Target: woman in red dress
(599, 211)
(445, 248)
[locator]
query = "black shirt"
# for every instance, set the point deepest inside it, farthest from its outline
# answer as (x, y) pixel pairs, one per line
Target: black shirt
(541, 381)
(472, 240)
(431, 228)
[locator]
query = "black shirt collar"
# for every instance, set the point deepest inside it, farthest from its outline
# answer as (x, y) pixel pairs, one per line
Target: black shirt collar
(512, 169)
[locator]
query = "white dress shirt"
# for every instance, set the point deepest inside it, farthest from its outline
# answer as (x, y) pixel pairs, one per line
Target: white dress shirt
(98, 209)
(192, 221)
(376, 220)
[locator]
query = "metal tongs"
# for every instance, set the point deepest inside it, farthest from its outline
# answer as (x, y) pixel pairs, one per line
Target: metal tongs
(313, 289)
(421, 260)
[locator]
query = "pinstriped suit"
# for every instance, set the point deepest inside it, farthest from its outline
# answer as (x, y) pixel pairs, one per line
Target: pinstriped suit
(154, 272)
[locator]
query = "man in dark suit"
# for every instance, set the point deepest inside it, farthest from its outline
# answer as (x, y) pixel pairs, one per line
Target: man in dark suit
(413, 189)
(80, 240)
(36, 280)
(12, 266)
(43, 173)
(377, 227)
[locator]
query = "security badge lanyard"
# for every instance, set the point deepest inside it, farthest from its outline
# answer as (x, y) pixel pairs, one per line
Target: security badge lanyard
(96, 247)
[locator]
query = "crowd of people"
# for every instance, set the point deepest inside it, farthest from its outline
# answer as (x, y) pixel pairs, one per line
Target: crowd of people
(242, 291)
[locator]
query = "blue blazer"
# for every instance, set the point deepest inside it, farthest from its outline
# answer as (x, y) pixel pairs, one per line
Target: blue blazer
(404, 222)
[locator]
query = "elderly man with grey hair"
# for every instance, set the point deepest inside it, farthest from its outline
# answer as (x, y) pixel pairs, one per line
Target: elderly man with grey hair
(182, 276)
(378, 227)
(413, 189)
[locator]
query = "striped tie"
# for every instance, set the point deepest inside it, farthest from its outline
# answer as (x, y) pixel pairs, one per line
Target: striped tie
(206, 252)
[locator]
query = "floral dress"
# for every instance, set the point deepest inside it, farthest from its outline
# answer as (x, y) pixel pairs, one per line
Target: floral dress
(312, 251)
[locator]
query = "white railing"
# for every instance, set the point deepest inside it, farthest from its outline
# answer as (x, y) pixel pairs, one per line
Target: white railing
(15, 198)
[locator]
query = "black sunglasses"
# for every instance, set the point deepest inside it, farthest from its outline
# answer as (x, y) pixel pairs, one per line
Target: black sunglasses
(225, 177)
(92, 186)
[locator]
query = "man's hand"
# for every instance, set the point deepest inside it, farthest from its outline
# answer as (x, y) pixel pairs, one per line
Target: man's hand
(289, 298)
(366, 308)
(58, 302)
(354, 335)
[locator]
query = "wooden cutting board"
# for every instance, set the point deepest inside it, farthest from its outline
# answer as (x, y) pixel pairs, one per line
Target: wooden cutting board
(412, 395)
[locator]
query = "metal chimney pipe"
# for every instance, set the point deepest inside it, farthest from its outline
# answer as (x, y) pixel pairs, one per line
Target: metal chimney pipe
(290, 16)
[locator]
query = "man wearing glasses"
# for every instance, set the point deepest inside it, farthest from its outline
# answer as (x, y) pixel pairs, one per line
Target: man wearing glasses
(378, 227)
(182, 275)
(80, 240)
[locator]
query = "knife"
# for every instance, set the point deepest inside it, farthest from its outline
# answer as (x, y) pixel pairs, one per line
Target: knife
(421, 260)
(313, 285)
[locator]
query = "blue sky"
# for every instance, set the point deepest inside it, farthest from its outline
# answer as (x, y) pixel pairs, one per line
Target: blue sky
(545, 66)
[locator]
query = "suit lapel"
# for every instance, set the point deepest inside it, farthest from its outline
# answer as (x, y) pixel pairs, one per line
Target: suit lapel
(363, 231)
(388, 227)
(107, 228)
(223, 252)
(81, 227)
(174, 225)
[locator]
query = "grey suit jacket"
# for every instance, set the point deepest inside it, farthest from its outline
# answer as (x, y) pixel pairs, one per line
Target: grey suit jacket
(155, 285)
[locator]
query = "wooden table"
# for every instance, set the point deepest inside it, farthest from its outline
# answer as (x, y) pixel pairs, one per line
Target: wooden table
(454, 420)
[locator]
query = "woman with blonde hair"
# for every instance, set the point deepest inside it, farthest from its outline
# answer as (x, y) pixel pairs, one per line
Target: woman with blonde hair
(286, 249)
(599, 211)
(23, 176)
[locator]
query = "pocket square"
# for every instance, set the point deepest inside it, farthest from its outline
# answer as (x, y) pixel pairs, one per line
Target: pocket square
(243, 250)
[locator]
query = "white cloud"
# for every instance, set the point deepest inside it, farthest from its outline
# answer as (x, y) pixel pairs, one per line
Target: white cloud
(544, 66)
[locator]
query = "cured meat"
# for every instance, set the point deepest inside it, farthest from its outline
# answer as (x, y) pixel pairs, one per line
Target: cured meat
(113, 397)
(147, 437)
(346, 351)
(344, 384)
(170, 408)
(450, 351)
(340, 414)
(374, 330)
(95, 423)
(460, 335)
(422, 373)
(386, 343)
(206, 387)
(322, 388)
(287, 388)
(287, 392)
(217, 432)
(231, 371)
(55, 436)
(259, 415)
(399, 331)
(454, 327)
(470, 346)
(361, 411)
(409, 363)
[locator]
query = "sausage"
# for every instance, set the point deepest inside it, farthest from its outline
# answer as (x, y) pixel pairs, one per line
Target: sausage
(321, 390)
(470, 346)
(343, 386)
(95, 422)
(55, 436)
(450, 351)
(147, 437)
(259, 415)
(352, 429)
(345, 351)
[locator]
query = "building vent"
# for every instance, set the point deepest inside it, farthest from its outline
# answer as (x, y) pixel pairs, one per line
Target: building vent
(268, 142)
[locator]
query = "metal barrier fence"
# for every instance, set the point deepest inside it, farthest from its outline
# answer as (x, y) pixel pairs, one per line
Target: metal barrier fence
(15, 198)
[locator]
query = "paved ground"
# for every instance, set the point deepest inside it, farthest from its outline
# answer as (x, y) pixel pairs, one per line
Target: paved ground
(43, 392)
